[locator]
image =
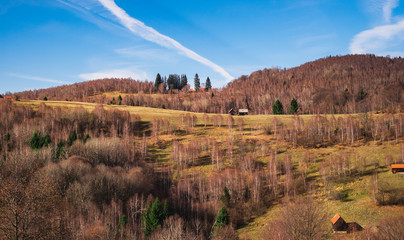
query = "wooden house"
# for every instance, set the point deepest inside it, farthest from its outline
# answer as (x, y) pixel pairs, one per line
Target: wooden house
(397, 168)
(243, 112)
(340, 226)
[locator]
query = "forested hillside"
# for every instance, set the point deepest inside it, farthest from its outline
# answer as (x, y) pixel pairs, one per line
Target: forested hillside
(347, 84)
(71, 170)
(342, 84)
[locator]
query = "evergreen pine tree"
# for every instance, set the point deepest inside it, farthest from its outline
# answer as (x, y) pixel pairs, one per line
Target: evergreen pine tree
(208, 84)
(184, 80)
(86, 138)
(45, 98)
(46, 140)
(225, 198)
(119, 100)
(293, 106)
(166, 210)
(197, 82)
(277, 108)
(154, 216)
(173, 81)
(72, 138)
(222, 218)
(34, 143)
(59, 149)
(145, 220)
(158, 81)
(7, 137)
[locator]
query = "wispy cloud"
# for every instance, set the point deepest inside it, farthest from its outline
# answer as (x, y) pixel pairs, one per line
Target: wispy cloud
(381, 7)
(148, 33)
(382, 39)
(378, 39)
(388, 7)
(35, 78)
(144, 52)
(115, 73)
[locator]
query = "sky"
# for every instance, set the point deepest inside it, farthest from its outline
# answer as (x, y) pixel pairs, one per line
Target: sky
(46, 43)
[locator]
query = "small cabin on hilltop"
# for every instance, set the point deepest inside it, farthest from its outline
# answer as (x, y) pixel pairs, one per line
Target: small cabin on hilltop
(397, 168)
(340, 226)
(243, 112)
(6, 97)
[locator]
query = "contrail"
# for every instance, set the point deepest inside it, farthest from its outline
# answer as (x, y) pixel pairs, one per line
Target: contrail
(35, 78)
(148, 33)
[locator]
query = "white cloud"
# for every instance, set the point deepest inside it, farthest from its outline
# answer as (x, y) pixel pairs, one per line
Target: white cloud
(140, 29)
(382, 8)
(115, 73)
(388, 7)
(35, 78)
(378, 39)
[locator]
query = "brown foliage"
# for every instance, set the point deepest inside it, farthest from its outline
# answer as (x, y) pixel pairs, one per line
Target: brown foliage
(303, 219)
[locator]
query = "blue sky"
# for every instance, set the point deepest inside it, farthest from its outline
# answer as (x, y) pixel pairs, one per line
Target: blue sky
(46, 43)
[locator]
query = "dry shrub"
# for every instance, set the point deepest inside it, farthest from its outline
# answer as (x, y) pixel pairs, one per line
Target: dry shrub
(303, 219)
(391, 228)
(225, 233)
(95, 231)
(173, 229)
(111, 152)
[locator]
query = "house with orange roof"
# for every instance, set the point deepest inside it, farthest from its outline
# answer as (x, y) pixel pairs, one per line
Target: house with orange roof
(340, 226)
(397, 168)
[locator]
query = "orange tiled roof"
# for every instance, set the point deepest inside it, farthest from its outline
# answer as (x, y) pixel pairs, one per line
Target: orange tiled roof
(397, 165)
(335, 218)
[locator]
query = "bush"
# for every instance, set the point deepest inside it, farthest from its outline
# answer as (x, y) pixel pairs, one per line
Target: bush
(389, 194)
(303, 219)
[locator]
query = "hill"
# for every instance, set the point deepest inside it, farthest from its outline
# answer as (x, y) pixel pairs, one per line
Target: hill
(341, 84)
(114, 161)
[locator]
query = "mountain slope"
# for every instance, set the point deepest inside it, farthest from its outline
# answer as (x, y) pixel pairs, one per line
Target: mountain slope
(352, 83)
(341, 84)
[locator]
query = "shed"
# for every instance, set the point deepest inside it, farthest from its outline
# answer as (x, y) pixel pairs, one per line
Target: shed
(340, 226)
(243, 112)
(397, 168)
(7, 97)
(231, 111)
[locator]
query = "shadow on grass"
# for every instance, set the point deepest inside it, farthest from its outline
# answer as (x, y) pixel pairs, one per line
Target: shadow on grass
(203, 161)
(142, 127)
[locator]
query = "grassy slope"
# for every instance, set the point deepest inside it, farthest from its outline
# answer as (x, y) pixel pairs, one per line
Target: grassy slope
(358, 206)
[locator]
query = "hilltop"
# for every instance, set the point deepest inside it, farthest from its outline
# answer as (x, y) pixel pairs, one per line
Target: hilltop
(341, 84)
